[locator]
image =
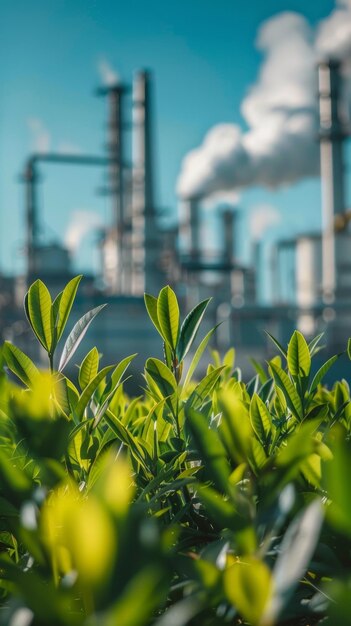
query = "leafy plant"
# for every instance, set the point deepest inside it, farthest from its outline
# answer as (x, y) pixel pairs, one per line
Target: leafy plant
(202, 501)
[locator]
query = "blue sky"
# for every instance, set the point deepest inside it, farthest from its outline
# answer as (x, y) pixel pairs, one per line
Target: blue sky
(204, 60)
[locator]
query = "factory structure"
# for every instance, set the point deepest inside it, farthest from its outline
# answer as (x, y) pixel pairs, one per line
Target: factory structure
(138, 253)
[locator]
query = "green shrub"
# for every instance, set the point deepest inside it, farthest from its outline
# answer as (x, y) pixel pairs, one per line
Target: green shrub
(201, 502)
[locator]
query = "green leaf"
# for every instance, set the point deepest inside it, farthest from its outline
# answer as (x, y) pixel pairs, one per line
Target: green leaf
(126, 437)
(260, 419)
(322, 372)
(349, 348)
(298, 356)
(39, 312)
(162, 376)
(20, 364)
(168, 316)
(204, 388)
(65, 305)
(151, 307)
(312, 346)
(77, 334)
(248, 586)
(276, 343)
(120, 370)
(220, 510)
(189, 329)
(197, 356)
(89, 390)
(235, 427)
(211, 449)
(295, 552)
(292, 398)
(89, 368)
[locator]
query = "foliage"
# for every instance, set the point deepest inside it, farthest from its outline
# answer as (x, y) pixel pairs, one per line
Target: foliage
(198, 503)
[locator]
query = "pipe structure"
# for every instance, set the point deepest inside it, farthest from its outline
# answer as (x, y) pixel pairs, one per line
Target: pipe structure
(30, 178)
(331, 136)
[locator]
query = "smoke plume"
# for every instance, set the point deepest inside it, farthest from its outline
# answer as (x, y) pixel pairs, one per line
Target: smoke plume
(108, 75)
(82, 222)
(280, 110)
(40, 136)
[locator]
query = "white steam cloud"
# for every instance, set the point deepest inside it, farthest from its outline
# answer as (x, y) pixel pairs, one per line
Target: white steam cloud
(262, 218)
(108, 75)
(280, 110)
(81, 224)
(40, 136)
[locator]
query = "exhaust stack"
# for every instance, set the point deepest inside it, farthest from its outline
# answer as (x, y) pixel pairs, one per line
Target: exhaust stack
(145, 244)
(331, 137)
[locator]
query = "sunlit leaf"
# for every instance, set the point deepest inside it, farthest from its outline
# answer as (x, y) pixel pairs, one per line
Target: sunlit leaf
(65, 305)
(248, 586)
(20, 364)
(89, 368)
(284, 383)
(76, 335)
(260, 418)
(298, 356)
(168, 316)
(189, 329)
(39, 311)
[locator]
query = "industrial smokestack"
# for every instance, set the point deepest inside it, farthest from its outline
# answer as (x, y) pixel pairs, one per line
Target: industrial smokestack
(30, 178)
(332, 136)
(228, 224)
(191, 227)
(145, 245)
(115, 94)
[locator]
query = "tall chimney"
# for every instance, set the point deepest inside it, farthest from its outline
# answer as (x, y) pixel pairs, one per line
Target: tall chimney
(145, 244)
(228, 225)
(332, 171)
(115, 95)
(30, 179)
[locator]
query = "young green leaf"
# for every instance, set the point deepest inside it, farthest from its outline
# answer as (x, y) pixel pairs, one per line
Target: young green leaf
(312, 346)
(197, 356)
(211, 449)
(89, 390)
(298, 356)
(189, 329)
(283, 381)
(20, 364)
(65, 305)
(322, 372)
(248, 586)
(89, 368)
(204, 388)
(77, 334)
(168, 316)
(349, 348)
(260, 418)
(39, 312)
(276, 343)
(151, 307)
(162, 376)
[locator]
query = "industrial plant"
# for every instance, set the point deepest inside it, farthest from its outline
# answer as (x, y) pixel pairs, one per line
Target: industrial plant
(138, 253)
